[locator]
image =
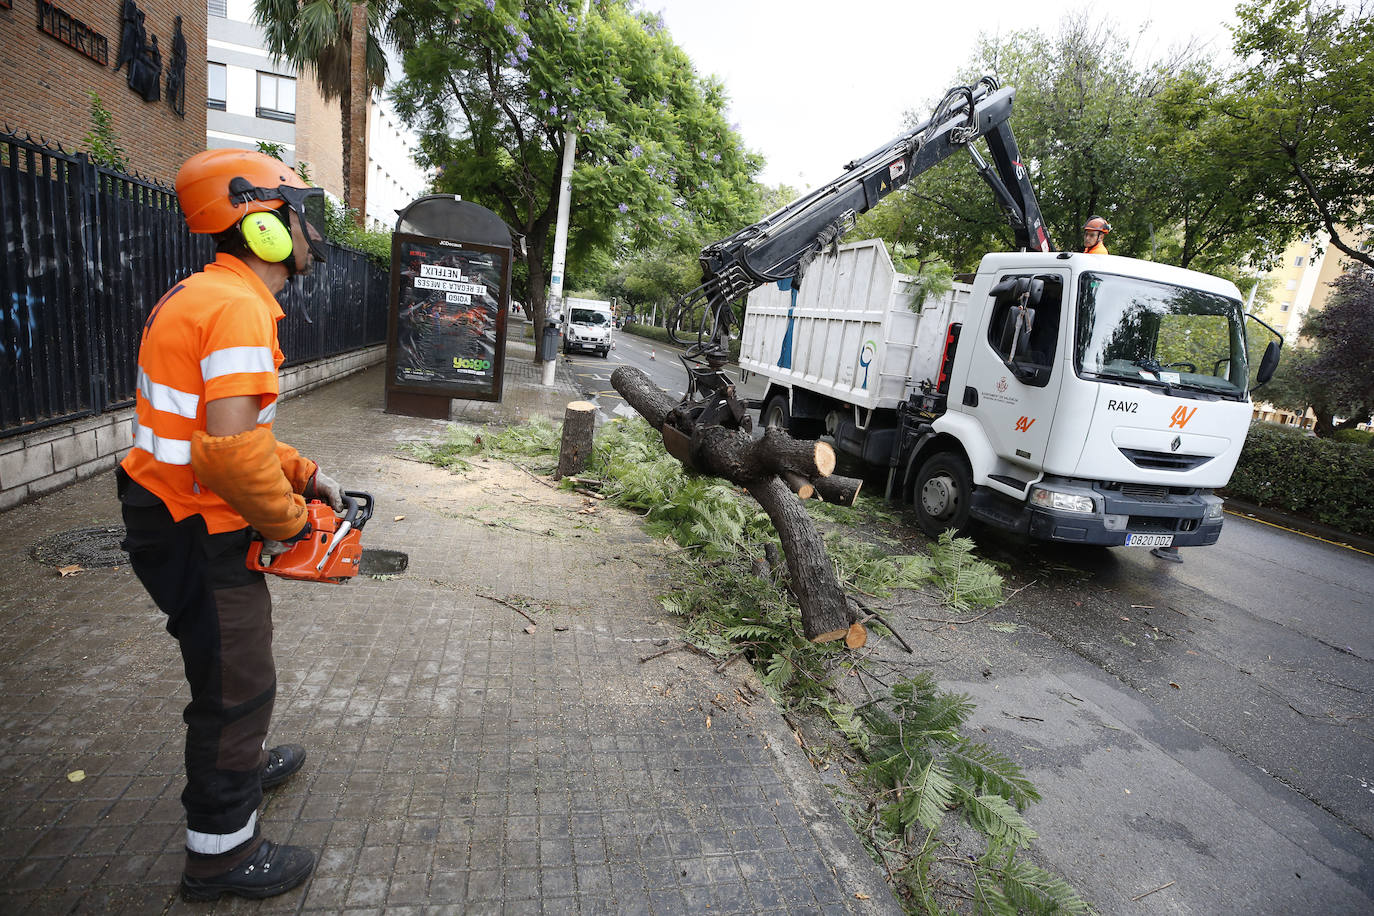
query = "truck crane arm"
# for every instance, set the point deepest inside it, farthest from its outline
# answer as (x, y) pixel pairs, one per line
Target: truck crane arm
(781, 245)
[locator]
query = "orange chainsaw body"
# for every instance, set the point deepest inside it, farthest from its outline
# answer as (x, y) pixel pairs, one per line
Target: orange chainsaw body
(327, 554)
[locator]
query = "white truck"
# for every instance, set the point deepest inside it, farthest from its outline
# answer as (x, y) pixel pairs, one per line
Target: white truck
(1072, 397)
(588, 324)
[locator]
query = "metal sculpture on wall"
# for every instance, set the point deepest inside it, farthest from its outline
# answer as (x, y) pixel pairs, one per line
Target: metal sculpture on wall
(139, 50)
(176, 73)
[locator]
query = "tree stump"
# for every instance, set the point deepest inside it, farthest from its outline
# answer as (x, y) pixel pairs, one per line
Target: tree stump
(579, 422)
(760, 466)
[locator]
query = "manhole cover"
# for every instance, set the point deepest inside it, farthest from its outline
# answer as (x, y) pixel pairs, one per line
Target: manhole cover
(90, 548)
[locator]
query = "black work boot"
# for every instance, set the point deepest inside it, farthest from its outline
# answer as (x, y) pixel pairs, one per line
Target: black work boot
(269, 871)
(282, 763)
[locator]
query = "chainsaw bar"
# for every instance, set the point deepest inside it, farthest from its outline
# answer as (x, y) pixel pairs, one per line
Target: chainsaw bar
(378, 562)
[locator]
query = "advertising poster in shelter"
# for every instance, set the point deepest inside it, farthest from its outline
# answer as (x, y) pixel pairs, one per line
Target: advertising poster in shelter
(448, 317)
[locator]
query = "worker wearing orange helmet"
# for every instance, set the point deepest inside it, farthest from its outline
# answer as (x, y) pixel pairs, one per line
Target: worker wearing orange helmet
(204, 472)
(1095, 235)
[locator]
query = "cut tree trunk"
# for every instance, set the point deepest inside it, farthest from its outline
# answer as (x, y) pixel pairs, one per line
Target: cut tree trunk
(759, 465)
(842, 491)
(579, 422)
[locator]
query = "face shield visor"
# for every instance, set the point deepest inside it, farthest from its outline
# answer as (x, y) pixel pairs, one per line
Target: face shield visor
(307, 203)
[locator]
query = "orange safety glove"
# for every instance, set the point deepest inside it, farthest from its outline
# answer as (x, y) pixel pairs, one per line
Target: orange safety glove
(246, 473)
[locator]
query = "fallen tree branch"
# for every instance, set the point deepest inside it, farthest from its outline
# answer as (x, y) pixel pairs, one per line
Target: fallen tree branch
(509, 605)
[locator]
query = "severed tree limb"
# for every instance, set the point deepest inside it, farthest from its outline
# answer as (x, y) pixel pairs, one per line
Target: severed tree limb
(799, 485)
(757, 465)
(824, 610)
(841, 491)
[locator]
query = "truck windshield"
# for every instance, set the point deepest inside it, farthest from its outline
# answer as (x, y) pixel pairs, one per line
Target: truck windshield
(587, 316)
(1158, 335)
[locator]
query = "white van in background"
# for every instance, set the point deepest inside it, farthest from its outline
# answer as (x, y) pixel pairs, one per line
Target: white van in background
(588, 324)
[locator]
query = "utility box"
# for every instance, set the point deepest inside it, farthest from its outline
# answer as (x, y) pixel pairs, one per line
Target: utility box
(450, 294)
(548, 346)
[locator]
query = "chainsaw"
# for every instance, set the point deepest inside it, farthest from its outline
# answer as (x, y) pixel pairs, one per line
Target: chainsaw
(332, 550)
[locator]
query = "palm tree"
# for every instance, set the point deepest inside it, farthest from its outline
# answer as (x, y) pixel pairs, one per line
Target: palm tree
(328, 37)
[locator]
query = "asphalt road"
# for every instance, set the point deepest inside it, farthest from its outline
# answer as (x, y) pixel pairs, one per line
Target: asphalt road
(1201, 732)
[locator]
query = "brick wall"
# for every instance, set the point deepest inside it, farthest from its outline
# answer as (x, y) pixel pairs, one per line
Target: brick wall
(43, 82)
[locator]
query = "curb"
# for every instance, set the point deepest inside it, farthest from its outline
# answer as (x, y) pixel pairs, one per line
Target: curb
(1300, 524)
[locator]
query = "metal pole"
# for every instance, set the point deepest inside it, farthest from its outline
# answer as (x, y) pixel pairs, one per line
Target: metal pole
(560, 236)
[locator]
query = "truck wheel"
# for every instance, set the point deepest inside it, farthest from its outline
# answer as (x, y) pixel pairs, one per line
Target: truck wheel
(775, 412)
(943, 492)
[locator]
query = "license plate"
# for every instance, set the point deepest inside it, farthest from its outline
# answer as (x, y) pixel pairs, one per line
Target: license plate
(1149, 540)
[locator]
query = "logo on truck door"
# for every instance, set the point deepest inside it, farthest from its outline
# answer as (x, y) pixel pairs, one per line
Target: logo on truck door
(1024, 424)
(1181, 417)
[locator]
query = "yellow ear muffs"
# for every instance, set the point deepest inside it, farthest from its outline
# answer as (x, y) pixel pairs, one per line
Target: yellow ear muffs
(266, 236)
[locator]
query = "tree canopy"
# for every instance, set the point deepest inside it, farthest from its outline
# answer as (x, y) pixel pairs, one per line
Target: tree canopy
(492, 85)
(1192, 166)
(1304, 101)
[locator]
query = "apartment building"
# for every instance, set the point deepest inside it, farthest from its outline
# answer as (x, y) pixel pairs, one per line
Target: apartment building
(254, 97)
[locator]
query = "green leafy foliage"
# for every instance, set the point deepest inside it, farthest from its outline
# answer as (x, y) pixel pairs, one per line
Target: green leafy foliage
(1321, 479)
(495, 88)
(921, 767)
(102, 142)
(1008, 886)
(966, 581)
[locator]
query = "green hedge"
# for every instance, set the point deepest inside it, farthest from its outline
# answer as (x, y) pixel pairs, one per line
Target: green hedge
(661, 335)
(1321, 479)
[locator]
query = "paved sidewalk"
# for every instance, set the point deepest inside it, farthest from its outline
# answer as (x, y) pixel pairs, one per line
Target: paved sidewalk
(457, 763)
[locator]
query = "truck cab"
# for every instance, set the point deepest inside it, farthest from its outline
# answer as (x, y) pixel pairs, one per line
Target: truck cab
(1097, 399)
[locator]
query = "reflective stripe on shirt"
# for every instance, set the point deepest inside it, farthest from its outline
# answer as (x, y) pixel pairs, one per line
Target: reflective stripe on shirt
(168, 451)
(233, 360)
(166, 398)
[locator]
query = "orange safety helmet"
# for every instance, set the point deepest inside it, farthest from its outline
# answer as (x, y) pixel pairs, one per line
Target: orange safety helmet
(202, 186)
(1097, 224)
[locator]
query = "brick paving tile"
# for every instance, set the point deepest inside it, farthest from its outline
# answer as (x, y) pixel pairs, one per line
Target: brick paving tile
(456, 763)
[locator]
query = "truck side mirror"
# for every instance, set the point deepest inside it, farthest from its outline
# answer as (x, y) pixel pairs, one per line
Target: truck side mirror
(1269, 363)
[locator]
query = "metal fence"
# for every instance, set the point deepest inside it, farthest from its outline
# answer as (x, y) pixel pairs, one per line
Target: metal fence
(89, 250)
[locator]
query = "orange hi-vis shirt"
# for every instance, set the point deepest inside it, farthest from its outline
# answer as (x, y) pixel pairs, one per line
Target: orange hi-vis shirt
(211, 336)
(1099, 248)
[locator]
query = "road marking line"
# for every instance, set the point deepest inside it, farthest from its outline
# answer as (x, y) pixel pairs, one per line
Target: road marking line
(1296, 531)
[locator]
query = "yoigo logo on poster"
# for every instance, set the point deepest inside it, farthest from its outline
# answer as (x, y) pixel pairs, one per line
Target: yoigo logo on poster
(472, 365)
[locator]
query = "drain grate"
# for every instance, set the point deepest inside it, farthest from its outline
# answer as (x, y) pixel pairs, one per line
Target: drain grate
(89, 548)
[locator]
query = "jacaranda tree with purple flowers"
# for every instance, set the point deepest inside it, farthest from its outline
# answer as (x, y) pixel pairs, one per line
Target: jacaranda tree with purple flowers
(492, 86)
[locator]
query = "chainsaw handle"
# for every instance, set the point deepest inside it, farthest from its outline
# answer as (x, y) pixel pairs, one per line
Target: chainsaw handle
(357, 507)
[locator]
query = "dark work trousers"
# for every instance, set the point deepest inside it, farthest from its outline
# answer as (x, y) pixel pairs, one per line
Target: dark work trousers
(221, 614)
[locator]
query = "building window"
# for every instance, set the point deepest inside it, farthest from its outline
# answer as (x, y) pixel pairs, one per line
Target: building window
(276, 97)
(1285, 307)
(218, 8)
(215, 89)
(1297, 262)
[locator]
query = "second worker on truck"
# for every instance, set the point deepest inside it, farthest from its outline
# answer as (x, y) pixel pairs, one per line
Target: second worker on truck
(205, 470)
(1095, 235)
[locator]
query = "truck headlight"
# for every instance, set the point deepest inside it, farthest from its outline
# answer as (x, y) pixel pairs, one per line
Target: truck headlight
(1065, 502)
(1213, 513)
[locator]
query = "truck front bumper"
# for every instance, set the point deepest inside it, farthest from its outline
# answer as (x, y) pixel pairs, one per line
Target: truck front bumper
(1141, 516)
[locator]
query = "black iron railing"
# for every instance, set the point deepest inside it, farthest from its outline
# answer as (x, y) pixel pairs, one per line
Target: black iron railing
(88, 251)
